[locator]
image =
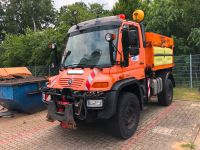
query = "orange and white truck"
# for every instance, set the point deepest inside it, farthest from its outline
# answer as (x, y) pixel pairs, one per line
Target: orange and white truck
(110, 69)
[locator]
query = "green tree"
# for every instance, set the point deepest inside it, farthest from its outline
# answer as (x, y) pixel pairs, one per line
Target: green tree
(30, 48)
(98, 11)
(177, 19)
(126, 7)
(194, 40)
(174, 18)
(85, 12)
(2, 15)
(33, 14)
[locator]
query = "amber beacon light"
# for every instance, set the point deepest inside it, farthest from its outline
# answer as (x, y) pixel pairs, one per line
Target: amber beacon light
(138, 15)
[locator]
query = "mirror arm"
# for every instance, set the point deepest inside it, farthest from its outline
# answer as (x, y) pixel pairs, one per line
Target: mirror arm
(116, 49)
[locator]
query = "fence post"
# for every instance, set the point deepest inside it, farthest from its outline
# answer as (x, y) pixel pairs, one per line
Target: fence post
(191, 86)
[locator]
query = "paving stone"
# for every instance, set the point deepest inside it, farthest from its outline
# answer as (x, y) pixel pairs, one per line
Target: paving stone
(159, 128)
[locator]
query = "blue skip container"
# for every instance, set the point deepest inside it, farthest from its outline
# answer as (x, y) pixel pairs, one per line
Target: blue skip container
(22, 95)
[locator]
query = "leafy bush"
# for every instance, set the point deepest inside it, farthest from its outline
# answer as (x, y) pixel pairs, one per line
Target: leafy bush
(30, 48)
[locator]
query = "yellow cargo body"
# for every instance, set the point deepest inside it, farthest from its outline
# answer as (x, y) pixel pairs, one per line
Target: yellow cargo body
(159, 51)
(162, 56)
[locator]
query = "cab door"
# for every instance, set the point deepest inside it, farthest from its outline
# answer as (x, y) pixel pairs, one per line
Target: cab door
(133, 51)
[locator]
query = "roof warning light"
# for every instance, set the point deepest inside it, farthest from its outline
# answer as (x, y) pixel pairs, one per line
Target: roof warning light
(122, 16)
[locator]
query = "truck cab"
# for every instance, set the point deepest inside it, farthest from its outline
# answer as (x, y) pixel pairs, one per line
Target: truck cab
(106, 74)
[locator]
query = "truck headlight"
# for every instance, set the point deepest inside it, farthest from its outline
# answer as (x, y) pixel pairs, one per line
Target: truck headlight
(94, 103)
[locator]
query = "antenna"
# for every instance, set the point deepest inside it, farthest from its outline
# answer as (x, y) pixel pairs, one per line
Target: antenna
(98, 13)
(75, 14)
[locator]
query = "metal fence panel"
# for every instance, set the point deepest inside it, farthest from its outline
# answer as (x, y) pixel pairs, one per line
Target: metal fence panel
(39, 71)
(187, 71)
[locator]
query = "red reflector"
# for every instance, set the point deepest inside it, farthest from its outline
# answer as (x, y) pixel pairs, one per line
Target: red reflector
(122, 16)
(64, 125)
(46, 97)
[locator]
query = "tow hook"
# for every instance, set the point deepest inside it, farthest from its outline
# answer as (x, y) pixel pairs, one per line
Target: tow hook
(69, 122)
(64, 114)
(68, 125)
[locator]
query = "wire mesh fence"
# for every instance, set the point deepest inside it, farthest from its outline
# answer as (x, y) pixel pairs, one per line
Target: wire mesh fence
(39, 71)
(187, 71)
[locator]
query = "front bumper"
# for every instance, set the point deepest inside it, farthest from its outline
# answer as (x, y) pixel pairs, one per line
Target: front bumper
(66, 117)
(69, 111)
(53, 114)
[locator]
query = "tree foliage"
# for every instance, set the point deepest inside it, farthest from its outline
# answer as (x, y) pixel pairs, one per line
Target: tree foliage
(31, 48)
(175, 18)
(85, 12)
(19, 19)
(21, 14)
(126, 7)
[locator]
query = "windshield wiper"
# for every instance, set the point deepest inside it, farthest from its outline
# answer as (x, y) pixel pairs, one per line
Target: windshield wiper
(65, 57)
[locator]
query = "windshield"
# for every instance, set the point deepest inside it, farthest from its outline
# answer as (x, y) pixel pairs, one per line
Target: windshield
(89, 48)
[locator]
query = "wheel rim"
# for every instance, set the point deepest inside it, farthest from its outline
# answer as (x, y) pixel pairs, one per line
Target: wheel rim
(130, 116)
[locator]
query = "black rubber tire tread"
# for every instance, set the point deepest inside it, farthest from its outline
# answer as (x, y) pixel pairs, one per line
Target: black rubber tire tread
(116, 122)
(163, 98)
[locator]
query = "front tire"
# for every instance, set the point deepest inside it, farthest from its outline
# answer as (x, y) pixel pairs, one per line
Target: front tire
(166, 96)
(125, 121)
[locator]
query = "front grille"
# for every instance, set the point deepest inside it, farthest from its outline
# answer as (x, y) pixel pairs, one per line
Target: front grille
(76, 82)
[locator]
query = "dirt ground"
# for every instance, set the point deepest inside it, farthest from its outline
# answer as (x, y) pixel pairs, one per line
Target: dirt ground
(161, 128)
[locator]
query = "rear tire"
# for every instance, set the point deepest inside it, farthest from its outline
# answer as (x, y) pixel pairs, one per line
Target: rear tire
(124, 123)
(166, 96)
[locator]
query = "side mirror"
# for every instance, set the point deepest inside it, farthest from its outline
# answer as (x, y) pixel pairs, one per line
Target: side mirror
(54, 56)
(125, 45)
(110, 37)
(125, 39)
(52, 46)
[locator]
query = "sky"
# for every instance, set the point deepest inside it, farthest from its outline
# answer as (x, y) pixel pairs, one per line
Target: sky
(107, 3)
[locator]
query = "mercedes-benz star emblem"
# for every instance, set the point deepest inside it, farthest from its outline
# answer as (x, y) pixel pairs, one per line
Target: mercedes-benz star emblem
(70, 81)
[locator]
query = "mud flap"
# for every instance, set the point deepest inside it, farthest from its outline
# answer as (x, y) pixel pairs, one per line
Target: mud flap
(66, 118)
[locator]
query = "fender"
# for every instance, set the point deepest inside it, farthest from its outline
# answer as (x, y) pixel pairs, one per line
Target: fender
(167, 75)
(110, 104)
(170, 76)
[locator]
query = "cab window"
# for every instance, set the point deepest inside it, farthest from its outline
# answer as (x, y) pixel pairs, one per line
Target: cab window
(133, 37)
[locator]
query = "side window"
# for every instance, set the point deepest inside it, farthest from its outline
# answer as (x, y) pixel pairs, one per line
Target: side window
(130, 43)
(133, 37)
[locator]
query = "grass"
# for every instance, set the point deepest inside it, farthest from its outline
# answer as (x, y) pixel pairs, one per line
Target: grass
(189, 145)
(186, 93)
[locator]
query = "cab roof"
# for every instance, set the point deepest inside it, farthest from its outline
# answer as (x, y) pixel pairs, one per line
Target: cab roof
(111, 20)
